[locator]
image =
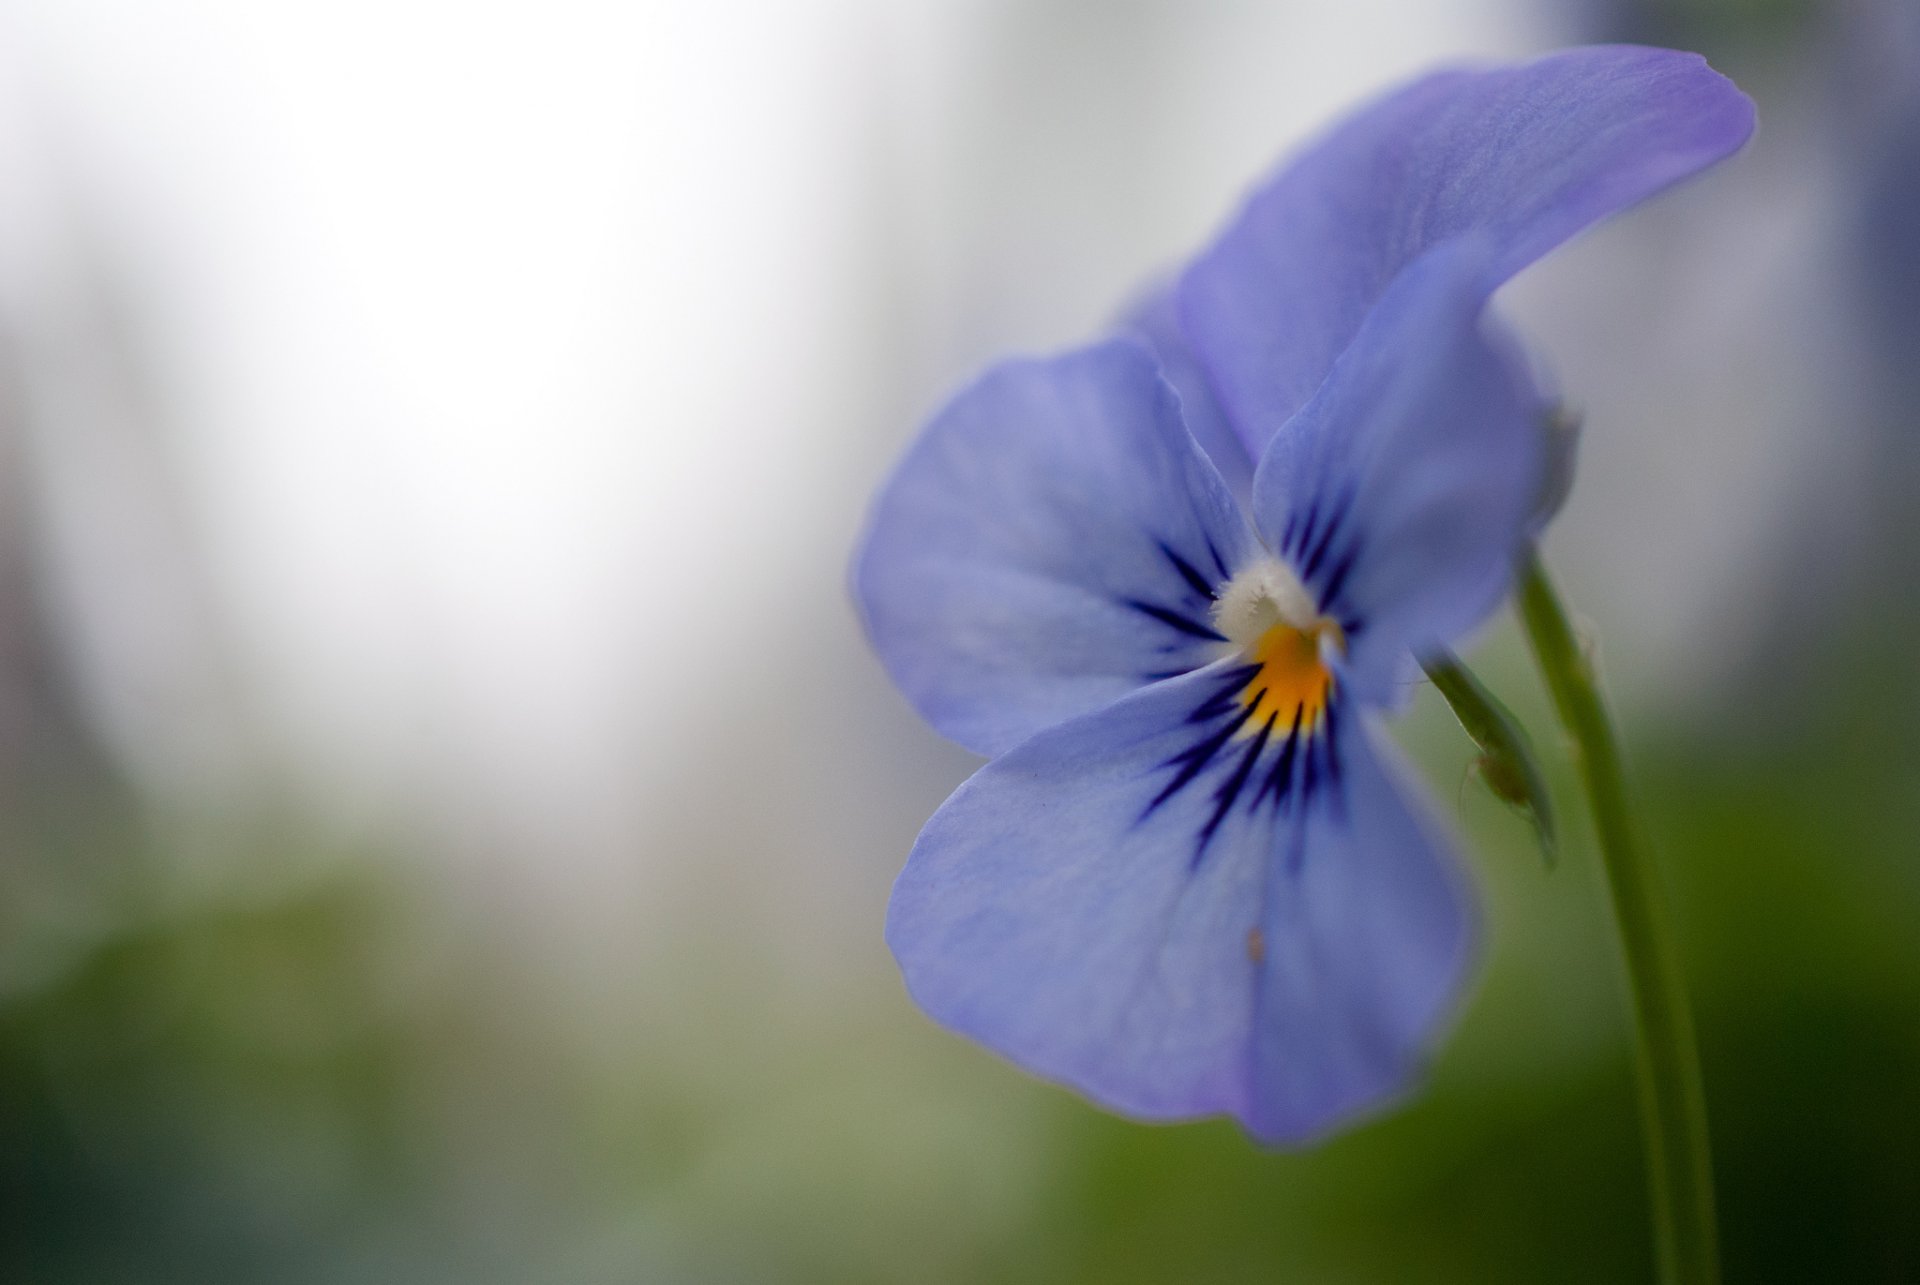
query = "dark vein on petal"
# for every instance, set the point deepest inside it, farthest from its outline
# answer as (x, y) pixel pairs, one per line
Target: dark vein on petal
(1336, 521)
(1320, 550)
(1279, 776)
(1221, 702)
(1219, 562)
(1195, 581)
(1309, 774)
(1307, 529)
(1225, 796)
(1193, 759)
(1338, 576)
(1336, 801)
(1174, 620)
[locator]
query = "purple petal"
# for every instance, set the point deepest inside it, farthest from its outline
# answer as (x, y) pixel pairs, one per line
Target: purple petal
(1367, 948)
(1522, 156)
(1274, 934)
(1402, 491)
(1051, 542)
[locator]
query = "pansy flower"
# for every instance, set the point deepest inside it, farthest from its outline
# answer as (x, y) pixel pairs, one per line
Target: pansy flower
(1168, 582)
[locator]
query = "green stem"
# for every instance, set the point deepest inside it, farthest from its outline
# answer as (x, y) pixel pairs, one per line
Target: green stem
(1673, 1108)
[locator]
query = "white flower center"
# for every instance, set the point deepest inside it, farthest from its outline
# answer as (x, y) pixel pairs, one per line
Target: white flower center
(1262, 595)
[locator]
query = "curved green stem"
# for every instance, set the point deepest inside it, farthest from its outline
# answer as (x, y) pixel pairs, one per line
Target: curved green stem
(1673, 1108)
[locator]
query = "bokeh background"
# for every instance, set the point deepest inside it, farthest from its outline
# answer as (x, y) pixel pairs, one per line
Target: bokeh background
(447, 809)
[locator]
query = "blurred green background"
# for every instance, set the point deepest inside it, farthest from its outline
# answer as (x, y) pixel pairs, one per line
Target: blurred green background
(551, 951)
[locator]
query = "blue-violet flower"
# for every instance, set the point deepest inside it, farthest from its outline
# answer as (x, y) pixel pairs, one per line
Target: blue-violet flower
(1167, 582)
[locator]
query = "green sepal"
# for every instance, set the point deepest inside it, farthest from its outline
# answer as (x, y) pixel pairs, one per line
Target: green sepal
(1506, 764)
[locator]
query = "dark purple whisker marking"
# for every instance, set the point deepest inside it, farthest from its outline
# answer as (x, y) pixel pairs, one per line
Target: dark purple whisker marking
(1229, 791)
(1193, 759)
(1292, 547)
(1309, 772)
(1338, 576)
(1222, 700)
(1195, 581)
(1220, 563)
(1174, 620)
(1335, 521)
(1319, 780)
(1336, 789)
(1280, 775)
(1319, 552)
(1302, 768)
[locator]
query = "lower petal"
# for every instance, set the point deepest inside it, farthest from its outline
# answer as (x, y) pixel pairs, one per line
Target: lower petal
(1369, 940)
(1260, 928)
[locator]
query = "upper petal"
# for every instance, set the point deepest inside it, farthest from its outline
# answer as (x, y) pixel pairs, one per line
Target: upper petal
(1525, 156)
(1180, 915)
(1051, 541)
(1403, 490)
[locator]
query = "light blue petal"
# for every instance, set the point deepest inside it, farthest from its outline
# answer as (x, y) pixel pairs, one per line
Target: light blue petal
(1403, 490)
(1525, 156)
(1051, 542)
(1272, 934)
(1367, 948)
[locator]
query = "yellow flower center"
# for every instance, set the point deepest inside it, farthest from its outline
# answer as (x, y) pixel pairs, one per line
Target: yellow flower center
(1294, 681)
(1269, 616)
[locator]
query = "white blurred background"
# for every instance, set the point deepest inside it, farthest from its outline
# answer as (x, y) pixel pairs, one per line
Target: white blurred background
(458, 415)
